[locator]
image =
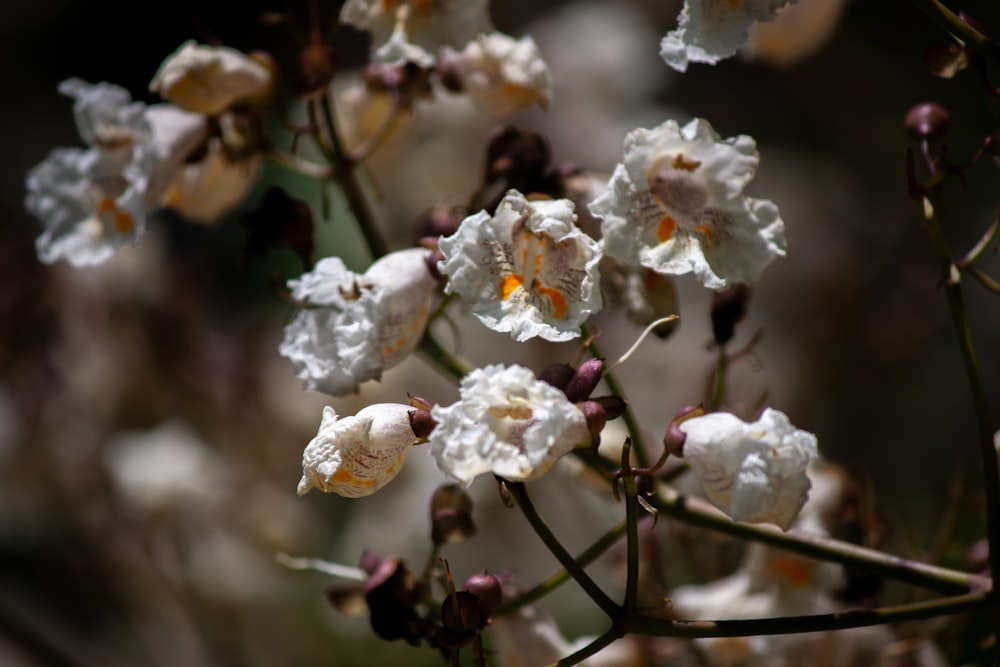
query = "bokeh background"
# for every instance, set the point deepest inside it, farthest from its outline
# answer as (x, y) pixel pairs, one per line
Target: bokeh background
(150, 434)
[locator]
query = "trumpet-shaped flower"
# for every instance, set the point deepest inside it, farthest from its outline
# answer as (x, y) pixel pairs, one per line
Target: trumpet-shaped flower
(92, 201)
(355, 326)
(415, 30)
(710, 30)
(754, 472)
(527, 269)
(356, 456)
(210, 79)
(676, 205)
(508, 423)
(501, 74)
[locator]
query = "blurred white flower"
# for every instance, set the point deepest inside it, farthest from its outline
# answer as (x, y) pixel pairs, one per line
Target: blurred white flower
(710, 30)
(676, 205)
(210, 79)
(206, 190)
(502, 74)
(163, 468)
(415, 30)
(356, 456)
(527, 269)
(355, 326)
(508, 423)
(93, 201)
(754, 472)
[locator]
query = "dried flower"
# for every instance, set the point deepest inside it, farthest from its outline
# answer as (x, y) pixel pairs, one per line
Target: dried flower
(527, 269)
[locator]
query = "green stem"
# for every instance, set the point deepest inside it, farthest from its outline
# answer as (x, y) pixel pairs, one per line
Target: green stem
(699, 513)
(586, 557)
(600, 598)
(852, 618)
(718, 382)
(631, 425)
(632, 532)
(445, 361)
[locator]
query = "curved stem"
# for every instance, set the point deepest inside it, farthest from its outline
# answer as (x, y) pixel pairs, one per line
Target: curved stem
(599, 597)
(852, 618)
(444, 360)
(632, 532)
(641, 455)
(586, 557)
(599, 642)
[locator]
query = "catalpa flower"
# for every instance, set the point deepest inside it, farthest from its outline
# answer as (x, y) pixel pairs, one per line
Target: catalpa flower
(710, 30)
(754, 472)
(501, 74)
(92, 201)
(210, 79)
(676, 205)
(508, 423)
(356, 456)
(415, 30)
(527, 269)
(355, 326)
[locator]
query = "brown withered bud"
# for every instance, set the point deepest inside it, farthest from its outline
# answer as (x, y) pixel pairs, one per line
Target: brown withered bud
(392, 593)
(596, 418)
(674, 439)
(487, 588)
(317, 67)
(729, 307)
(451, 515)
(557, 375)
(926, 121)
(584, 380)
(347, 599)
(421, 423)
(462, 617)
(521, 160)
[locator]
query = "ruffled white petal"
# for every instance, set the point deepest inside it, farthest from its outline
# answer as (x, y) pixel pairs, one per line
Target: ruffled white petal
(502, 74)
(527, 270)
(209, 79)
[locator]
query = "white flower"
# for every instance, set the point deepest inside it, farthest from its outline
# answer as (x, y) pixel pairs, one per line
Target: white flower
(416, 30)
(92, 201)
(206, 190)
(710, 30)
(356, 456)
(527, 269)
(508, 423)
(209, 79)
(676, 205)
(502, 74)
(356, 326)
(753, 472)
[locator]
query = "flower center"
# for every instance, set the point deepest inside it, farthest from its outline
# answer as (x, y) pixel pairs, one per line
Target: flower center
(112, 217)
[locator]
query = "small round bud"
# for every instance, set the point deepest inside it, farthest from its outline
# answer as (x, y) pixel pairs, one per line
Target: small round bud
(597, 417)
(926, 121)
(451, 515)
(462, 618)
(585, 380)
(421, 423)
(487, 588)
(614, 406)
(674, 439)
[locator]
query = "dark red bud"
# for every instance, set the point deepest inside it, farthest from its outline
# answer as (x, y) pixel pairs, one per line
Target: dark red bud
(487, 588)
(926, 121)
(451, 515)
(585, 380)
(614, 406)
(674, 439)
(596, 419)
(421, 423)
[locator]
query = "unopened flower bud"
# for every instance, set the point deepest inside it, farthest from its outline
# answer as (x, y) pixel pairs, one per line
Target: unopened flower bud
(597, 417)
(451, 515)
(557, 375)
(487, 588)
(461, 617)
(674, 439)
(347, 599)
(614, 406)
(926, 121)
(585, 380)
(729, 307)
(421, 423)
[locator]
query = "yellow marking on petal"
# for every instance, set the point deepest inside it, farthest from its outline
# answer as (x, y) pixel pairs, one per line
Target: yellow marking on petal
(559, 305)
(105, 205)
(792, 569)
(512, 411)
(684, 164)
(706, 230)
(665, 230)
(344, 476)
(123, 222)
(508, 284)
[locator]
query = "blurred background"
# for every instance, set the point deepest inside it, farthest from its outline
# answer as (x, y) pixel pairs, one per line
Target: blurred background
(151, 435)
